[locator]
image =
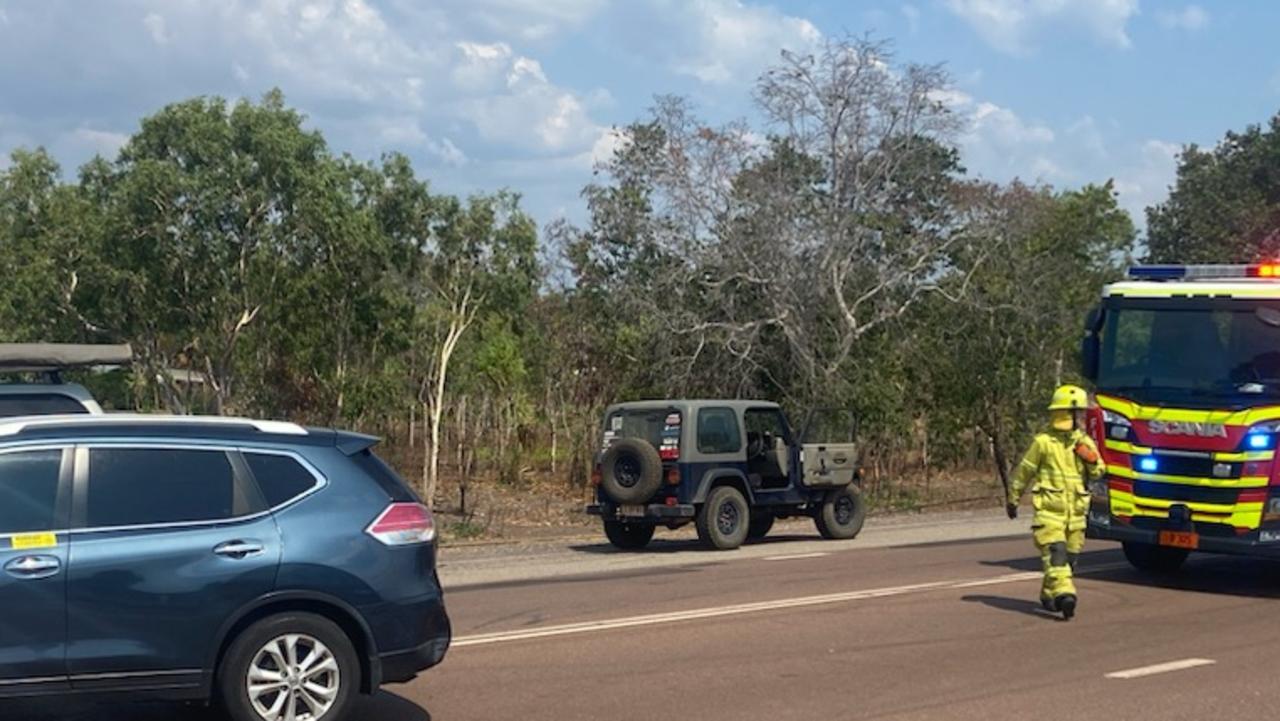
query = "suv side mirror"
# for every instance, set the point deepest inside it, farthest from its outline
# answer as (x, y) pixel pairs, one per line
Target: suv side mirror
(1089, 346)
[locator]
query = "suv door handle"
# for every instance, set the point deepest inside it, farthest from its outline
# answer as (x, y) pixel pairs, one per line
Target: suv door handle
(33, 567)
(238, 549)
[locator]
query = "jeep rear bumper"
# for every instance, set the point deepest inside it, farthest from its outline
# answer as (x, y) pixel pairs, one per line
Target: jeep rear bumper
(647, 512)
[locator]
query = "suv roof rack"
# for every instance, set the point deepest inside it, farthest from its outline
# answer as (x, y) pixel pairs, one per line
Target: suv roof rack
(15, 426)
(52, 358)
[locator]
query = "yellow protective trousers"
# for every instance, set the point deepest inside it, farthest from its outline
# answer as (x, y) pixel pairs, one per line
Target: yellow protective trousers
(1059, 550)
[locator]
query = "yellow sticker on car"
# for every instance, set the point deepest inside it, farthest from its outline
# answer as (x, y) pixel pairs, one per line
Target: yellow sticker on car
(28, 541)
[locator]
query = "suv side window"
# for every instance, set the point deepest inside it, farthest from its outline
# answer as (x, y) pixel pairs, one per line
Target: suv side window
(280, 478)
(718, 431)
(766, 420)
(29, 491)
(38, 404)
(146, 486)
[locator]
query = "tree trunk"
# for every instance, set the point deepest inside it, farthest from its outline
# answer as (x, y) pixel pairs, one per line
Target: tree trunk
(428, 487)
(433, 451)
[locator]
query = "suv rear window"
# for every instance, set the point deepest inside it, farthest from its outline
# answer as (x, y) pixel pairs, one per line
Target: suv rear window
(38, 404)
(395, 487)
(29, 491)
(145, 486)
(660, 427)
(280, 478)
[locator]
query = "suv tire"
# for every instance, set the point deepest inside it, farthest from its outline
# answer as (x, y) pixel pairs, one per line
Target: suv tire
(628, 536)
(631, 471)
(1154, 559)
(760, 525)
(262, 645)
(842, 513)
(724, 519)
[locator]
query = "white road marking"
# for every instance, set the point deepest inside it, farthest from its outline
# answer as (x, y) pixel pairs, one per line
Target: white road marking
(797, 556)
(743, 608)
(1161, 668)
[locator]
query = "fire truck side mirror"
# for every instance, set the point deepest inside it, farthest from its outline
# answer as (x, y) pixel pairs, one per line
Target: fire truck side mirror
(1089, 345)
(1089, 357)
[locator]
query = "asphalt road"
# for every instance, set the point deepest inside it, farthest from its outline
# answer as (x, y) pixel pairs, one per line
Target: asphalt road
(912, 630)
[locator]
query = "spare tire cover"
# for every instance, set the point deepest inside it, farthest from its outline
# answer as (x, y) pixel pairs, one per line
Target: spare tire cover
(631, 471)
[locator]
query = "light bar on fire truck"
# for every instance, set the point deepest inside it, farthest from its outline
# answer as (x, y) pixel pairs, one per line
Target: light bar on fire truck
(1204, 272)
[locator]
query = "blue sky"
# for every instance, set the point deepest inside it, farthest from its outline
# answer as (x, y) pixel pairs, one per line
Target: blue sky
(484, 94)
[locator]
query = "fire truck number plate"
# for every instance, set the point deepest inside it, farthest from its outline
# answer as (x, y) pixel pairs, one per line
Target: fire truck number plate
(1180, 539)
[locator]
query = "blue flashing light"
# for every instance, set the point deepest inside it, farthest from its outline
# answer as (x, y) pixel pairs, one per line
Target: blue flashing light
(1148, 464)
(1222, 271)
(1157, 272)
(1259, 441)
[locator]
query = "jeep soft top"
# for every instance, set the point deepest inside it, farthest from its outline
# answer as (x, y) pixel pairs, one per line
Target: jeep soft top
(40, 389)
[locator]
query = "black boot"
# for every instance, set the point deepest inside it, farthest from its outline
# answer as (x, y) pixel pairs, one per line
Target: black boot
(1067, 604)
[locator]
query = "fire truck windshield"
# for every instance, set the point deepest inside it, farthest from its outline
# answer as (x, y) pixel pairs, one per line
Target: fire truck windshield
(1195, 352)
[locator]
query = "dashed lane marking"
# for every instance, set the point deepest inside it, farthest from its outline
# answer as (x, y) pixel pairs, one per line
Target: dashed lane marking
(745, 608)
(797, 556)
(1166, 667)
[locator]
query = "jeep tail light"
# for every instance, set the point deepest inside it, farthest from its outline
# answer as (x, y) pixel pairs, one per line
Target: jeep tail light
(403, 524)
(673, 476)
(597, 475)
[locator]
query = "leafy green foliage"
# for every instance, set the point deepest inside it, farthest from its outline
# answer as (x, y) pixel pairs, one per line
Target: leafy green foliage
(1225, 205)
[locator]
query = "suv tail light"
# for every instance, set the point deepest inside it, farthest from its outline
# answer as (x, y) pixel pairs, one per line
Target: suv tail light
(597, 475)
(402, 524)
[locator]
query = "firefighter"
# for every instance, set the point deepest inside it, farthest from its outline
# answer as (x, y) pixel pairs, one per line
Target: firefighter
(1058, 467)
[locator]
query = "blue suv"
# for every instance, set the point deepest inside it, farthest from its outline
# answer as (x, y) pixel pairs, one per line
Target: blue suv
(274, 569)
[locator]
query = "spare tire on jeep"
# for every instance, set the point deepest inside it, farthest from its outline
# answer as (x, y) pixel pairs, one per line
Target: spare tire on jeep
(631, 471)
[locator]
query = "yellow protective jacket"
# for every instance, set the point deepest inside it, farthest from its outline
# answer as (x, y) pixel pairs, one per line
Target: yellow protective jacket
(1058, 479)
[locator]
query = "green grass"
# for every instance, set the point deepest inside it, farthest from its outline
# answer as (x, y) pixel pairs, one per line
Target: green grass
(464, 530)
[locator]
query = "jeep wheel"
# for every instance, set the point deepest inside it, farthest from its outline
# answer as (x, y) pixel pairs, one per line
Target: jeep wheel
(724, 519)
(842, 513)
(628, 536)
(1155, 559)
(760, 525)
(293, 665)
(631, 471)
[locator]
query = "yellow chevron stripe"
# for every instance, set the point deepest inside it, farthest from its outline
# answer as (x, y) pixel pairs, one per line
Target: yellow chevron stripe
(1242, 417)
(1245, 482)
(1232, 457)
(1240, 515)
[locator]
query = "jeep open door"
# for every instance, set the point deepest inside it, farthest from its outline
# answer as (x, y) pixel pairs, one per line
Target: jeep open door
(828, 455)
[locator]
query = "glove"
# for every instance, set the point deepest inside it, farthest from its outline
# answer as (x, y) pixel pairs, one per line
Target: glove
(1086, 453)
(1012, 510)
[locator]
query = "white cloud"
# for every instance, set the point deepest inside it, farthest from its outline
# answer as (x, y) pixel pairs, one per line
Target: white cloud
(155, 25)
(1146, 177)
(609, 143)
(999, 145)
(447, 152)
(508, 99)
(912, 14)
(100, 142)
(719, 42)
(1192, 17)
(1012, 26)
(527, 20)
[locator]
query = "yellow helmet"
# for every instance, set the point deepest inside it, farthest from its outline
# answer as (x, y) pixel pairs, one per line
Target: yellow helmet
(1068, 398)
